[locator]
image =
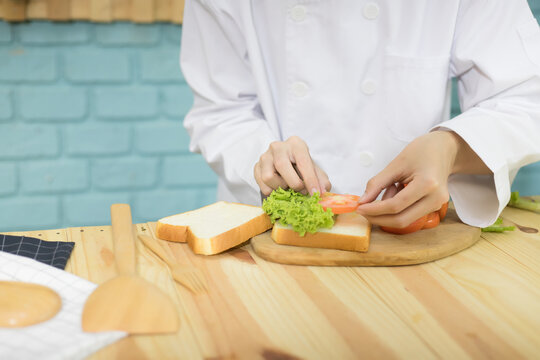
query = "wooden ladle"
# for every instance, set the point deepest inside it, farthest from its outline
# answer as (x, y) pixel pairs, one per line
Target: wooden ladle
(23, 304)
(128, 302)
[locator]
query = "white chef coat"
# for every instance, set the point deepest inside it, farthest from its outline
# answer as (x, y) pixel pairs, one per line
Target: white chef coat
(357, 80)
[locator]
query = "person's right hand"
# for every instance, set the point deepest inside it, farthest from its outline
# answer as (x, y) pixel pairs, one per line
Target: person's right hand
(287, 164)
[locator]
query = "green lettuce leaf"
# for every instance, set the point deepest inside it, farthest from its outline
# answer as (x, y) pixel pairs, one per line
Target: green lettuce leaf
(302, 212)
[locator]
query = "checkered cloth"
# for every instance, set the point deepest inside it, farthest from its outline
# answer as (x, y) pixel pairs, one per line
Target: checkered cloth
(62, 337)
(55, 253)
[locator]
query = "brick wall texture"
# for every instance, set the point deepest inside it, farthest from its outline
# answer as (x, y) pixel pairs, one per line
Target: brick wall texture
(91, 114)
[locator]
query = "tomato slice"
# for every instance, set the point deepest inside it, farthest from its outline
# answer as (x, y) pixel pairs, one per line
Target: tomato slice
(433, 220)
(443, 210)
(415, 226)
(339, 203)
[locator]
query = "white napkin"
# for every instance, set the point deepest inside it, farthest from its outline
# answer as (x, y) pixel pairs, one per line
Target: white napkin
(62, 336)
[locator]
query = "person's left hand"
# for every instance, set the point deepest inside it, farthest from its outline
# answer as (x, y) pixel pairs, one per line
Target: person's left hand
(424, 165)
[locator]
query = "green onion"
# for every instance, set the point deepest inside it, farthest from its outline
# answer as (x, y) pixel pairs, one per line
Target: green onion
(498, 227)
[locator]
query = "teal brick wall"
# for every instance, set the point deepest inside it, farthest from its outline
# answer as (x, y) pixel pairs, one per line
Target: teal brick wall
(91, 114)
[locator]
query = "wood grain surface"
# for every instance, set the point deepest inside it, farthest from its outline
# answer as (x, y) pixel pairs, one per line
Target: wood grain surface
(481, 303)
(128, 302)
(59, 10)
(13, 10)
(385, 249)
(139, 11)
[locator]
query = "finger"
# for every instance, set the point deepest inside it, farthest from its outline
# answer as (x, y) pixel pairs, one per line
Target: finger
(283, 165)
(324, 183)
(416, 190)
(306, 168)
(396, 204)
(268, 173)
(404, 218)
(265, 189)
(379, 182)
(390, 192)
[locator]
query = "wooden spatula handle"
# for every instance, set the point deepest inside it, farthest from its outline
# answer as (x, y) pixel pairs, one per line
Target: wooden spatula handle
(124, 242)
(157, 249)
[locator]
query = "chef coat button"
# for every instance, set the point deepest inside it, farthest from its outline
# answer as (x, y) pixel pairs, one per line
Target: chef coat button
(298, 13)
(365, 158)
(371, 11)
(369, 87)
(299, 89)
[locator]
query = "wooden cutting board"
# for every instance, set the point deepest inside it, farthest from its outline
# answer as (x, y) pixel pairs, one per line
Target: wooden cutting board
(385, 249)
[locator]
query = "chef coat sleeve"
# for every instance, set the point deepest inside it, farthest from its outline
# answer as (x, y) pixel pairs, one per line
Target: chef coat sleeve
(496, 60)
(226, 124)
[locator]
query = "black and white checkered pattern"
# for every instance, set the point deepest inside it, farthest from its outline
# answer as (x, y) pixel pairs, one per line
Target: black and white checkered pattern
(55, 253)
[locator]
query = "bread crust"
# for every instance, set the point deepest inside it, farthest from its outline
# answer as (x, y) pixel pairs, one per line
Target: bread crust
(216, 244)
(176, 233)
(229, 239)
(287, 236)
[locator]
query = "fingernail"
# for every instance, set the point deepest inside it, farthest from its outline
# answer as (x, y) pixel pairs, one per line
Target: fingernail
(314, 190)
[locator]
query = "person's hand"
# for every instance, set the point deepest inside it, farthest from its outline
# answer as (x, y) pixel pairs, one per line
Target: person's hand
(424, 165)
(287, 164)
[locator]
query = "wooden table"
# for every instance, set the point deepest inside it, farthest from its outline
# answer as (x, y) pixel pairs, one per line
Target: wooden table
(481, 303)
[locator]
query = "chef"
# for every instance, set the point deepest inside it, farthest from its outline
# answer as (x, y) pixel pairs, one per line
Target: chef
(354, 96)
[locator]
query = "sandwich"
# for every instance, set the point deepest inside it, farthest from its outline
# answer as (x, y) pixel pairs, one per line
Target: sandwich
(314, 221)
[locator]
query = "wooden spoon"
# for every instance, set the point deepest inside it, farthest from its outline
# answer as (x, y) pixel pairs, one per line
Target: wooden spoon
(24, 304)
(128, 302)
(186, 275)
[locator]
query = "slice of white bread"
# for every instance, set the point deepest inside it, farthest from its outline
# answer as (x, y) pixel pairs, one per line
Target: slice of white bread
(351, 232)
(214, 228)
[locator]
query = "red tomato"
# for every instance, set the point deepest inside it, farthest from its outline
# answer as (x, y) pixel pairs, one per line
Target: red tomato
(425, 222)
(339, 203)
(415, 226)
(443, 210)
(433, 220)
